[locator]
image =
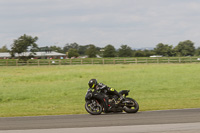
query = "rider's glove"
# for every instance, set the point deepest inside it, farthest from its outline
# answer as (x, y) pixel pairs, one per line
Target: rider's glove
(103, 87)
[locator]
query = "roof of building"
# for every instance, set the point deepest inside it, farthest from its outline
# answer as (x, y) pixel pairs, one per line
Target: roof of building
(5, 55)
(37, 54)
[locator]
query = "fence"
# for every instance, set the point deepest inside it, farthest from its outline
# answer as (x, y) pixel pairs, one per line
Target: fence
(10, 62)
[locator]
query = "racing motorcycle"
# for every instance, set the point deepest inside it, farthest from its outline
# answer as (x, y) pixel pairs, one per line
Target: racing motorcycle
(98, 102)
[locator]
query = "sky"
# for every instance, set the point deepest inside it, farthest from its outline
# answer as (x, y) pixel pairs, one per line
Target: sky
(136, 23)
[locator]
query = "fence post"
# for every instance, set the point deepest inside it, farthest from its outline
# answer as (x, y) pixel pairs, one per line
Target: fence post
(157, 60)
(16, 62)
(168, 60)
(113, 61)
(179, 60)
(103, 61)
(136, 61)
(7, 63)
(27, 63)
(81, 61)
(38, 62)
(92, 61)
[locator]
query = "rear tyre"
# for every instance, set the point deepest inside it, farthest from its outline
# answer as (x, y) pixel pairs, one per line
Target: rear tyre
(131, 106)
(93, 107)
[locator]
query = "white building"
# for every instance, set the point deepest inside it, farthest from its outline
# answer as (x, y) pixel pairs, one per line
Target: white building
(38, 55)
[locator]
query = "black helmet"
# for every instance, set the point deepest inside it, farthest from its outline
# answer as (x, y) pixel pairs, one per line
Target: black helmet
(92, 83)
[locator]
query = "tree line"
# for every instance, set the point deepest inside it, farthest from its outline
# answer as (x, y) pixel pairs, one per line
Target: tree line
(27, 43)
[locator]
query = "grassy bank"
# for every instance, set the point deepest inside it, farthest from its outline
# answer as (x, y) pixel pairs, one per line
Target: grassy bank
(54, 90)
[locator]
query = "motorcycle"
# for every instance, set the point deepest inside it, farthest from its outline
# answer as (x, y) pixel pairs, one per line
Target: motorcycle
(98, 102)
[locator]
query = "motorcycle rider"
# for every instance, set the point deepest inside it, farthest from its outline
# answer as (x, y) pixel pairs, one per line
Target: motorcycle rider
(100, 86)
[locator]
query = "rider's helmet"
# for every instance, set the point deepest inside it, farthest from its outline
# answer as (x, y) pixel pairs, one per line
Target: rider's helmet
(92, 83)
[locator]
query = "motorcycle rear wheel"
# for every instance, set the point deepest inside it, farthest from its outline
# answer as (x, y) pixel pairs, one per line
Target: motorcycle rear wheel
(131, 108)
(93, 107)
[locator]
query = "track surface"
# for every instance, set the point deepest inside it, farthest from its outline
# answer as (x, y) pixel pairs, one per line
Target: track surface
(105, 120)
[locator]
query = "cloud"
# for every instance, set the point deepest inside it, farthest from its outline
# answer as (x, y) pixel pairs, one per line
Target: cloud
(143, 23)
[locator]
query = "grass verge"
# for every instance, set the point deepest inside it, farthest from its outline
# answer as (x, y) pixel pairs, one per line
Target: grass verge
(56, 90)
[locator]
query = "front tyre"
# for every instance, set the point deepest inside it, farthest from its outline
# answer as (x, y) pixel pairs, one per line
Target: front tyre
(93, 107)
(131, 106)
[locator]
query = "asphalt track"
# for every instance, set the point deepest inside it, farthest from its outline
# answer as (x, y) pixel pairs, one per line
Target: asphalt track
(173, 121)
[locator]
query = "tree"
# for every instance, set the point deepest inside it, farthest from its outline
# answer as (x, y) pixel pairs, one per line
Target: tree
(46, 49)
(4, 49)
(185, 48)
(91, 51)
(125, 51)
(149, 53)
(56, 49)
(143, 53)
(164, 49)
(139, 53)
(23, 44)
(71, 45)
(197, 51)
(109, 51)
(82, 49)
(72, 53)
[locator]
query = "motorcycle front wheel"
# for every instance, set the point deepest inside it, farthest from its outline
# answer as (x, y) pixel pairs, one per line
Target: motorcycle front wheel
(131, 106)
(93, 107)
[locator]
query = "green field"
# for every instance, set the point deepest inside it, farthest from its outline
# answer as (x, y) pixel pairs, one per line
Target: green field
(56, 90)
